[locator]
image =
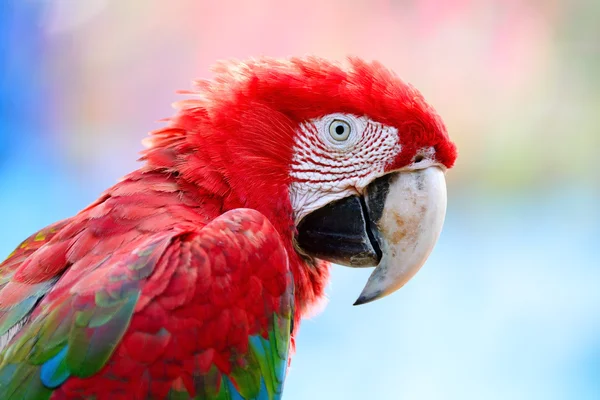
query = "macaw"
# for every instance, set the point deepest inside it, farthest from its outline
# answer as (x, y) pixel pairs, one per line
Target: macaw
(188, 278)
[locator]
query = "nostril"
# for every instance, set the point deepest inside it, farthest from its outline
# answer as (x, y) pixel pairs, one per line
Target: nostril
(419, 158)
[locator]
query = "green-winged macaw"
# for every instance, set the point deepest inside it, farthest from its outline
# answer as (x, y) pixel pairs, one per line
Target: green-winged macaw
(189, 277)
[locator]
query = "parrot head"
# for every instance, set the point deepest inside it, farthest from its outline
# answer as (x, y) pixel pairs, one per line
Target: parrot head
(345, 159)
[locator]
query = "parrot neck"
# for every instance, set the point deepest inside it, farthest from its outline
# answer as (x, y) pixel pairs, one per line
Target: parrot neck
(310, 275)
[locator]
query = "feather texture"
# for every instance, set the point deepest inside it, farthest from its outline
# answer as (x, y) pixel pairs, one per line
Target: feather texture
(202, 313)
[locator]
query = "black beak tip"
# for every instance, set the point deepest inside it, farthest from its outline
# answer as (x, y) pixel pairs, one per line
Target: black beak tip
(359, 301)
(366, 299)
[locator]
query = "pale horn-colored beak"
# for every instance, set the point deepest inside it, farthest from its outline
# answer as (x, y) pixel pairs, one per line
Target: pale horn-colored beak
(407, 210)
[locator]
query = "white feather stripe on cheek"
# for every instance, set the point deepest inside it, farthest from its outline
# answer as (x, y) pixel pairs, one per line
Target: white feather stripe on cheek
(325, 169)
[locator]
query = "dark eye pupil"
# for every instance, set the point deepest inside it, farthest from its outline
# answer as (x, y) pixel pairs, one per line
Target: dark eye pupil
(340, 129)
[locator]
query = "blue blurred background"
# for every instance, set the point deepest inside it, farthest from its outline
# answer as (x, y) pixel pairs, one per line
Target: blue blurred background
(508, 306)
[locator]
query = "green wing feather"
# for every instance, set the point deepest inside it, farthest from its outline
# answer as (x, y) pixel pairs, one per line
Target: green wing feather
(74, 331)
(11, 314)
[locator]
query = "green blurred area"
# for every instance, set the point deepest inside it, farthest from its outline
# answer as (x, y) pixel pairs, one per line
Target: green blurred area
(545, 130)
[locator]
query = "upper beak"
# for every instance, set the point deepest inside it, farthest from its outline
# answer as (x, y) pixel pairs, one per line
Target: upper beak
(394, 227)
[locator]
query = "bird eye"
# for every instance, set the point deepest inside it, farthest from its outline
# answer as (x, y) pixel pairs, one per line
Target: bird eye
(339, 130)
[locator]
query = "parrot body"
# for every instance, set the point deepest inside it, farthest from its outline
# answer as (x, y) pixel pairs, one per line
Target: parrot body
(189, 277)
(160, 281)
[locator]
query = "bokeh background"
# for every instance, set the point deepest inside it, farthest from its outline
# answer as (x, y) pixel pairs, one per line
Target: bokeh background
(508, 306)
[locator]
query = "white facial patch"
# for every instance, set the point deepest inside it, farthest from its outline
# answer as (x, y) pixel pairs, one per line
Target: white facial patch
(336, 156)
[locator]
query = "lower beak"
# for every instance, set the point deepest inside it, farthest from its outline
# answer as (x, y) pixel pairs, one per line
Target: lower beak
(394, 227)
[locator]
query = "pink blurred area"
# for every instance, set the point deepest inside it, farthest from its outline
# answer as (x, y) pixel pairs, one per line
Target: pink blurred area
(499, 72)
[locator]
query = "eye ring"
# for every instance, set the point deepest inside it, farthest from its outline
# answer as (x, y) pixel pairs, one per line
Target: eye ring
(339, 130)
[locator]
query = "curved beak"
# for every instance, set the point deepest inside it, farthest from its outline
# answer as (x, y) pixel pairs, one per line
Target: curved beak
(394, 227)
(408, 227)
